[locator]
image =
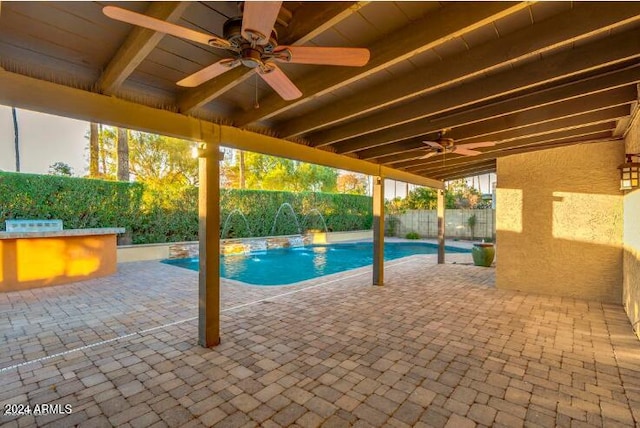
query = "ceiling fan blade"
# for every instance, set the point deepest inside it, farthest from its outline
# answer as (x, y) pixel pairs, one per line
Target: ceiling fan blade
(477, 145)
(465, 152)
(161, 26)
(275, 77)
(434, 145)
(352, 57)
(208, 73)
(258, 19)
(428, 155)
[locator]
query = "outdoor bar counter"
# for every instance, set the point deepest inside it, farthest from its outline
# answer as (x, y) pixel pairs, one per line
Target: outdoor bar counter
(41, 259)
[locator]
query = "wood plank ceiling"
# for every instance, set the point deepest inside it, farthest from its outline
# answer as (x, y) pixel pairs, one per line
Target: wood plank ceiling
(527, 76)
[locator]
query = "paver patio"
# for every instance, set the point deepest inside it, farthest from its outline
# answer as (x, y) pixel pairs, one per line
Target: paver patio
(438, 345)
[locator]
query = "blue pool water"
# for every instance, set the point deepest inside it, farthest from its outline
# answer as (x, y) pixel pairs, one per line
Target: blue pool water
(289, 265)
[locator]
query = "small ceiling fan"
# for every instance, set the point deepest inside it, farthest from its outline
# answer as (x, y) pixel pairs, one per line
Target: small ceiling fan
(444, 145)
(252, 42)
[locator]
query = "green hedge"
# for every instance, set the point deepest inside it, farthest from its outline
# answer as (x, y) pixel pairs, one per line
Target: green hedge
(169, 214)
(79, 203)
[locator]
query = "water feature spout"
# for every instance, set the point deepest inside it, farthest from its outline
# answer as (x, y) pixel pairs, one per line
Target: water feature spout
(316, 211)
(225, 230)
(275, 220)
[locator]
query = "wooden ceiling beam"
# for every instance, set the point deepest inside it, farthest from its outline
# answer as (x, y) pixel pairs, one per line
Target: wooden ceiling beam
(573, 122)
(467, 174)
(554, 98)
(443, 173)
(545, 130)
(501, 124)
(403, 159)
(314, 18)
(450, 21)
(138, 44)
(303, 27)
(394, 151)
(550, 69)
(471, 163)
(583, 20)
(606, 114)
(437, 168)
(470, 168)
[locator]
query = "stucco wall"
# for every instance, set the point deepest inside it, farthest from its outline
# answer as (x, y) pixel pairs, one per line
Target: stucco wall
(631, 238)
(559, 222)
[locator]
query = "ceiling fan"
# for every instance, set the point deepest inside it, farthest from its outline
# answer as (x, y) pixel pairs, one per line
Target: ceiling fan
(443, 145)
(252, 42)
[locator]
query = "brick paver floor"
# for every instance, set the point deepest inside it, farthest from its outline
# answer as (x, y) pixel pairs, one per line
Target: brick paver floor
(438, 345)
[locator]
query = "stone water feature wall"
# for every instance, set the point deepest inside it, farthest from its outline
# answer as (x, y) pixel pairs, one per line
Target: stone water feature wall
(183, 250)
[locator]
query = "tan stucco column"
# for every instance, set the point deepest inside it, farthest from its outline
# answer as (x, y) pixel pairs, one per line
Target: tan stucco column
(209, 235)
(440, 211)
(378, 231)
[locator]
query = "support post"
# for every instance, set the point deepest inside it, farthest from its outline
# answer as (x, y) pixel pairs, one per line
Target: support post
(209, 236)
(441, 225)
(378, 230)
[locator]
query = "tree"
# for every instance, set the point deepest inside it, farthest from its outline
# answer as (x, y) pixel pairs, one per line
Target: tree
(161, 160)
(314, 178)
(351, 183)
(123, 155)
(241, 169)
(274, 173)
(422, 198)
(153, 159)
(16, 137)
(60, 168)
(102, 147)
(464, 196)
(457, 195)
(94, 150)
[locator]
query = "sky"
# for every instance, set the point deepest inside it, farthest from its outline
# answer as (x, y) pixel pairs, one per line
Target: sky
(44, 140)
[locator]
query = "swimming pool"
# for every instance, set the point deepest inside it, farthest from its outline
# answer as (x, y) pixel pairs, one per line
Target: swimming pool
(288, 265)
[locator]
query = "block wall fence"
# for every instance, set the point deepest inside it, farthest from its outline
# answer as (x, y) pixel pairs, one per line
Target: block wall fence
(425, 224)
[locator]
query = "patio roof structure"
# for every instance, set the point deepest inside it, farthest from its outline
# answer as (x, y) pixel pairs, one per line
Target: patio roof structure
(527, 76)
(523, 76)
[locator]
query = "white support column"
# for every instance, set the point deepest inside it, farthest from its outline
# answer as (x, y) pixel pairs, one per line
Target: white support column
(378, 230)
(209, 236)
(441, 225)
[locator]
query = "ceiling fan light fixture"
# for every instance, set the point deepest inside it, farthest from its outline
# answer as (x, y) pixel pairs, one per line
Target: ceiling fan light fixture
(253, 42)
(252, 56)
